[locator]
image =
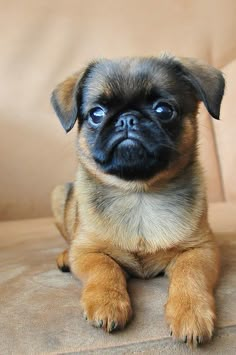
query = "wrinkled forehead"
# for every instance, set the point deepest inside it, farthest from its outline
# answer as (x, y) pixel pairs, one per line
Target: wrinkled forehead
(127, 79)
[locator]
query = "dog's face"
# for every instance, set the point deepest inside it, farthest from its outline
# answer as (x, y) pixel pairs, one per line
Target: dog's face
(137, 117)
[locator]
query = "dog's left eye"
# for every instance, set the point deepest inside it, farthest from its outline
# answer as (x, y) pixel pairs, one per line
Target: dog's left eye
(96, 116)
(164, 111)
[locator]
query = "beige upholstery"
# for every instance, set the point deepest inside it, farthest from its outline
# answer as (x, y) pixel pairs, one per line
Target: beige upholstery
(44, 41)
(40, 311)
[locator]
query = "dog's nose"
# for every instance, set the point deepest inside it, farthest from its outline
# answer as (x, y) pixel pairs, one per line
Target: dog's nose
(127, 121)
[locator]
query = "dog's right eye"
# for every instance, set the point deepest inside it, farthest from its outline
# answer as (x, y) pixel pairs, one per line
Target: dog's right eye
(96, 116)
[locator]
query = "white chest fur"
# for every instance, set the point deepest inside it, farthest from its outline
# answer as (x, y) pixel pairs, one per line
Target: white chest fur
(145, 221)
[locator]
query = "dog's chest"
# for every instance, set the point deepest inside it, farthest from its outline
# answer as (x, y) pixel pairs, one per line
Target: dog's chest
(143, 221)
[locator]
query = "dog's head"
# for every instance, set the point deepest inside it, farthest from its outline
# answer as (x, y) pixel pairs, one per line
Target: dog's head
(137, 116)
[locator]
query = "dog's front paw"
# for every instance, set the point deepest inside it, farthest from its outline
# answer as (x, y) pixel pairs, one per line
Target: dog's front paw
(191, 319)
(106, 307)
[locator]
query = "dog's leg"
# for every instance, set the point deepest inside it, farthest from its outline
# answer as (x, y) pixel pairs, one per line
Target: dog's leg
(190, 309)
(64, 207)
(104, 299)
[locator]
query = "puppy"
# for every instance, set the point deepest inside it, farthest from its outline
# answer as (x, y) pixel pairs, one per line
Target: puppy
(138, 204)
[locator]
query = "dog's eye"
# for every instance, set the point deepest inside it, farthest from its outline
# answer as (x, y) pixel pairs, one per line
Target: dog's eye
(96, 116)
(164, 111)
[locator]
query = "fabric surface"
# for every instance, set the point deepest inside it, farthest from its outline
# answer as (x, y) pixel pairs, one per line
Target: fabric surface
(39, 305)
(44, 41)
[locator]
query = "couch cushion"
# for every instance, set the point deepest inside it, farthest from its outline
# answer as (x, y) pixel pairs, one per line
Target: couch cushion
(39, 305)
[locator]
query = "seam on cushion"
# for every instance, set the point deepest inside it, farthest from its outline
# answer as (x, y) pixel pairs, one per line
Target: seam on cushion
(219, 166)
(218, 162)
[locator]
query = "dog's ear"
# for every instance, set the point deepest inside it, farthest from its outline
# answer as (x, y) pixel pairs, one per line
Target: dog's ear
(208, 83)
(65, 99)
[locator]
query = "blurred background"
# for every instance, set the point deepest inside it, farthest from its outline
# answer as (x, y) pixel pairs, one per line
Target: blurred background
(44, 41)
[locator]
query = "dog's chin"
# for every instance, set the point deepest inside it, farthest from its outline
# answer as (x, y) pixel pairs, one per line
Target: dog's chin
(131, 161)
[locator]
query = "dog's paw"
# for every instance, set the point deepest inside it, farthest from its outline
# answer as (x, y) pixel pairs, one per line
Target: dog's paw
(63, 261)
(106, 308)
(191, 320)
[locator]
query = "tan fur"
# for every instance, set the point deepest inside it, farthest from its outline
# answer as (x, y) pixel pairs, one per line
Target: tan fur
(65, 210)
(65, 90)
(141, 228)
(63, 260)
(186, 251)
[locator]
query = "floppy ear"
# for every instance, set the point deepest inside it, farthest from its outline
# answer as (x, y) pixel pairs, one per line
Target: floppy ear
(64, 100)
(208, 82)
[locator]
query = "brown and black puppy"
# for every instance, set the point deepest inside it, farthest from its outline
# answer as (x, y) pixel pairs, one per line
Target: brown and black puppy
(138, 203)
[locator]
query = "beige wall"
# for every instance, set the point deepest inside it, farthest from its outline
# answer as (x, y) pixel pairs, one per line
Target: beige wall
(43, 41)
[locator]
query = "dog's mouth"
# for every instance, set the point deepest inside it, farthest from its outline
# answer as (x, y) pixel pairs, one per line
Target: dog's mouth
(122, 145)
(128, 144)
(130, 156)
(129, 152)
